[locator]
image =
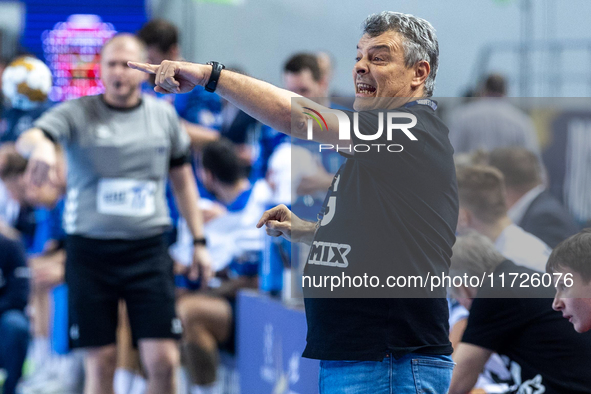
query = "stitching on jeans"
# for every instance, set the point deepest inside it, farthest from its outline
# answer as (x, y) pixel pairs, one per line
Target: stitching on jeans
(416, 376)
(435, 363)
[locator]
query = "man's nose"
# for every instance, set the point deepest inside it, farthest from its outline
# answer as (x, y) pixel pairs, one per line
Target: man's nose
(557, 304)
(361, 67)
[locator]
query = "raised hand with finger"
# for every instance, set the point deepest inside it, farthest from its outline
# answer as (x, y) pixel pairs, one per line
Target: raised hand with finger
(175, 77)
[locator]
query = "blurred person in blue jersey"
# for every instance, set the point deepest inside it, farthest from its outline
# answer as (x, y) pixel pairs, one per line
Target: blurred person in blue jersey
(199, 111)
(46, 259)
(26, 82)
(308, 74)
(14, 326)
(236, 248)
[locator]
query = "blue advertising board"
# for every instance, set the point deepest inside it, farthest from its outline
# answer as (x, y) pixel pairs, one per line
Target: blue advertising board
(270, 340)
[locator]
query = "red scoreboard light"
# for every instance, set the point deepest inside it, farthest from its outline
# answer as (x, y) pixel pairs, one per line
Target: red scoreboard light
(72, 50)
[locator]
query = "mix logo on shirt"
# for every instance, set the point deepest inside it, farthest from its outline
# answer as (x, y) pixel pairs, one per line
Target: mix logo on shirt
(329, 254)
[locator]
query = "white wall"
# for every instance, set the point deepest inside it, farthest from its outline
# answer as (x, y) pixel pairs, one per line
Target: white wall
(11, 25)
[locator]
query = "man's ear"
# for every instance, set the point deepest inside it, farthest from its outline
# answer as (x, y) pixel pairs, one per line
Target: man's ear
(421, 72)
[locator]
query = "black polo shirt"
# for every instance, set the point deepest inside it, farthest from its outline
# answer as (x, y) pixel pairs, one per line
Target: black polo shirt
(391, 213)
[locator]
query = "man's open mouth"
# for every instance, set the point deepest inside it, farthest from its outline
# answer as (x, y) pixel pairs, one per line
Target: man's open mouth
(365, 89)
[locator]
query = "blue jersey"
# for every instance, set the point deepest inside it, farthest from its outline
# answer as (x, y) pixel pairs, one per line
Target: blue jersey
(49, 227)
(265, 144)
(198, 106)
(15, 121)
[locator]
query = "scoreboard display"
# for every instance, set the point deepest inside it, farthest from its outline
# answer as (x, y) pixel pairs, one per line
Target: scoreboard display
(68, 37)
(72, 51)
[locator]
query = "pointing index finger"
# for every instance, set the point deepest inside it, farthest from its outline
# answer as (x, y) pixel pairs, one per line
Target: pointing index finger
(145, 67)
(263, 219)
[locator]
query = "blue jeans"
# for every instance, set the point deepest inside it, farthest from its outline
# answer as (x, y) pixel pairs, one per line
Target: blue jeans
(413, 373)
(14, 339)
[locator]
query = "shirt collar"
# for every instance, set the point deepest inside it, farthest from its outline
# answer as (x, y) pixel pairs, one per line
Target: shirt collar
(517, 211)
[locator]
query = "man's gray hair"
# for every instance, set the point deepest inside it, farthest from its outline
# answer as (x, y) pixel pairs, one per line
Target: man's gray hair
(420, 41)
(474, 254)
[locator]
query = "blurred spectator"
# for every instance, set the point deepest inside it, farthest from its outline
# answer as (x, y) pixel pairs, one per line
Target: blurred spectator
(302, 75)
(236, 247)
(309, 75)
(483, 208)
(199, 110)
(531, 206)
(243, 130)
(25, 87)
(12, 173)
(3, 64)
(567, 160)
(516, 322)
(48, 371)
(325, 62)
(12, 167)
(491, 122)
(494, 377)
(573, 257)
(14, 327)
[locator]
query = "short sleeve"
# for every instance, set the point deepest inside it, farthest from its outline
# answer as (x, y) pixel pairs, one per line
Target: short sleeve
(58, 121)
(493, 321)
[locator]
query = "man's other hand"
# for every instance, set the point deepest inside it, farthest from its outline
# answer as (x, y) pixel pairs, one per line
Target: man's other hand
(281, 222)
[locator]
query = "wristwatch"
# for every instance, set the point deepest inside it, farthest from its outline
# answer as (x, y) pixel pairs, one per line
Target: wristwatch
(216, 69)
(199, 241)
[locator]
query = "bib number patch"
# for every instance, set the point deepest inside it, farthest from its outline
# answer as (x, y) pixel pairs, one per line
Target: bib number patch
(126, 197)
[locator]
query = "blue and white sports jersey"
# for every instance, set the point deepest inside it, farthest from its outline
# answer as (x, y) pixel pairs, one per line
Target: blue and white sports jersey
(232, 236)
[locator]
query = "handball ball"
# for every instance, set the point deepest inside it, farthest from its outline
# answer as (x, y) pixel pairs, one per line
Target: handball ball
(26, 82)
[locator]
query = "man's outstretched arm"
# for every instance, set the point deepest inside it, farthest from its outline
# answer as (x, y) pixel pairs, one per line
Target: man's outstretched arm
(261, 100)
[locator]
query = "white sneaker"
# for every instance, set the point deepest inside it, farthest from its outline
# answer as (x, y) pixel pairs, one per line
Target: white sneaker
(59, 375)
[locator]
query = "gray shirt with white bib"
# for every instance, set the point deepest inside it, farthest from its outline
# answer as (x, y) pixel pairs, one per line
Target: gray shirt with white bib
(118, 162)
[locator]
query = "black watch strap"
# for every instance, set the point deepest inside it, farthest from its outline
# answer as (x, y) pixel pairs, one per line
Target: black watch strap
(216, 69)
(199, 241)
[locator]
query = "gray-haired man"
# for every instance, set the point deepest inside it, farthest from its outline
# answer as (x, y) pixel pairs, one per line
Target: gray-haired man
(393, 212)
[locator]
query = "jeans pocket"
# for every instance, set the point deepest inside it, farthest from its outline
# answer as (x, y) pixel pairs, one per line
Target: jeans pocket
(432, 374)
